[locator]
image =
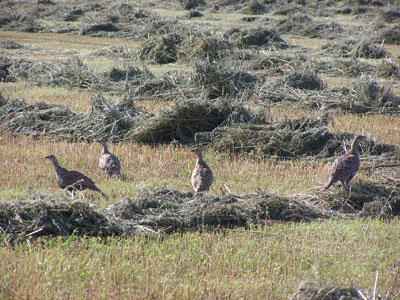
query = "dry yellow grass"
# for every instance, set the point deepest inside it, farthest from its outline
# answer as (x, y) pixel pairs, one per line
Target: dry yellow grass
(147, 167)
(64, 42)
(76, 100)
(312, 43)
(383, 128)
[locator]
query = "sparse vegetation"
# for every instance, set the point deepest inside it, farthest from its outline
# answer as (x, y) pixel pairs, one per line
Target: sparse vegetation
(270, 90)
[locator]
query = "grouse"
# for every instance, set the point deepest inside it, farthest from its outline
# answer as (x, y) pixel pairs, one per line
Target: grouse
(345, 167)
(202, 176)
(73, 180)
(108, 162)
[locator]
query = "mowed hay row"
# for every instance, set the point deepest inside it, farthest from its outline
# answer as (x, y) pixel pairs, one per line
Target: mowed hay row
(167, 211)
(219, 125)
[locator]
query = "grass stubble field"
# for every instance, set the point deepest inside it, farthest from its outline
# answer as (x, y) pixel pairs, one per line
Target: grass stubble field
(259, 262)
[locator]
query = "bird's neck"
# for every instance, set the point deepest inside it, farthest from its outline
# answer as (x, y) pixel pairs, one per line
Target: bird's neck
(56, 165)
(200, 160)
(354, 148)
(105, 150)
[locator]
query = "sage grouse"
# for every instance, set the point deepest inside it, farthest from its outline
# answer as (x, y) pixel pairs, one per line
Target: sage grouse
(108, 162)
(345, 167)
(202, 176)
(73, 180)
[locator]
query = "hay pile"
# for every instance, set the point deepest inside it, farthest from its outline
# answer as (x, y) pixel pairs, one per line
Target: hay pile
(182, 122)
(366, 96)
(310, 290)
(73, 73)
(9, 44)
(348, 68)
(302, 24)
(388, 35)
(103, 120)
(268, 140)
(354, 49)
(219, 80)
(287, 139)
(254, 8)
(255, 37)
(169, 211)
(5, 64)
(162, 50)
(307, 79)
(211, 48)
(191, 4)
(48, 215)
(369, 95)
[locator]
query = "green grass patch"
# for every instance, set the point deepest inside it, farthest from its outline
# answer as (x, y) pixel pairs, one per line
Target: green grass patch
(266, 263)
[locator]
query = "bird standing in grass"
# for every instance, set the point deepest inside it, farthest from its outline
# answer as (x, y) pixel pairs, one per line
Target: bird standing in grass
(202, 176)
(108, 162)
(345, 167)
(73, 180)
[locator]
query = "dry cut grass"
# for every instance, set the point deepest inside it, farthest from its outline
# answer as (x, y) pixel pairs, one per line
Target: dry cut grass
(64, 42)
(76, 100)
(383, 128)
(261, 263)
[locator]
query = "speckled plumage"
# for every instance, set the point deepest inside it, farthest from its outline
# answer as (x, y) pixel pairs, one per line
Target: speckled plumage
(108, 162)
(345, 167)
(202, 176)
(73, 180)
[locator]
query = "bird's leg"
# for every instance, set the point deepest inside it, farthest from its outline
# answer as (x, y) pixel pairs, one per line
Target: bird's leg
(347, 187)
(71, 192)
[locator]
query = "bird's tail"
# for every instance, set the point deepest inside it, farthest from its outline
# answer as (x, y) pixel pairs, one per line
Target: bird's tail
(328, 185)
(96, 189)
(118, 173)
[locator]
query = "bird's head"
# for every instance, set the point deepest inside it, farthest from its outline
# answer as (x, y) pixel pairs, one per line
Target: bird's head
(196, 151)
(103, 142)
(356, 143)
(359, 138)
(51, 157)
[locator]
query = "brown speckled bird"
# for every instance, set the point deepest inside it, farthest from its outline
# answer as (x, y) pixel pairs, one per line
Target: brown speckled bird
(108, 162)
(202, 176)
(73, 180)
(345, 167)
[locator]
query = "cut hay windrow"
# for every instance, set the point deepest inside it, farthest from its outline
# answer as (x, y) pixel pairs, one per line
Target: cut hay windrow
(223, 126)
(103, 120)
(308, 290)
(166, 211)
(49, 215)
(288, 139)
(73, 74)
(354, 49)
